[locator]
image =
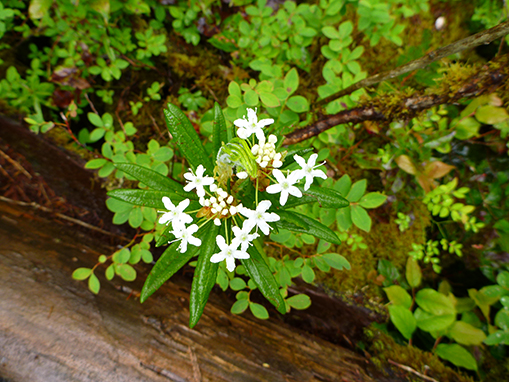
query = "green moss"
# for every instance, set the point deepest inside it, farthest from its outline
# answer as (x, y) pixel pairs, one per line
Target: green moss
(385, 241)
(385, 351)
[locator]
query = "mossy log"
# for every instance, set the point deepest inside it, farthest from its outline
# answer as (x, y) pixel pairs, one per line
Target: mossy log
(53, 329)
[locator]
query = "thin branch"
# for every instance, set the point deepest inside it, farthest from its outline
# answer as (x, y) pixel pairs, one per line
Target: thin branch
(410, 370)
(487, 80)
(470, 42)
(59, 215)
(15, 164)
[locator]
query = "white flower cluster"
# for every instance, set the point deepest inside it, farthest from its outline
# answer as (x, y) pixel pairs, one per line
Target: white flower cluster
(218, 205)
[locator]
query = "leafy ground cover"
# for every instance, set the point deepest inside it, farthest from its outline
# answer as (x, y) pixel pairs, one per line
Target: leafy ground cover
(424, 229)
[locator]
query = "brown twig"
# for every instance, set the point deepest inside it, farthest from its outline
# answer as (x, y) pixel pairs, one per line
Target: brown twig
(15, 164)
(470, 42)
(410, 370)
(487, 80)
(59, 215)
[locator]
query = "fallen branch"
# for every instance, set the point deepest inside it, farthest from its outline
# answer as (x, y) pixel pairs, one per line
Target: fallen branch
(485, 81)
(409, 369)
(470, 42)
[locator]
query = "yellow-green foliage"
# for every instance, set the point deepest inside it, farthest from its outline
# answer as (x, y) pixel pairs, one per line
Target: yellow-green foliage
(383, 348)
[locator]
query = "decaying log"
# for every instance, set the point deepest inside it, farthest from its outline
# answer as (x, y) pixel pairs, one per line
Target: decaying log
(53, 329)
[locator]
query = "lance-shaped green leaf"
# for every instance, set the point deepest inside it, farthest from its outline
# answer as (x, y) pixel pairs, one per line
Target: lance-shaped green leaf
(328, 198)
(221, 134)
(289, 159)
(204, 275)
(315, 228)
(154, 180)
(187, 138)
(260, 273)
(165, 237)
(168, 264)
(146, 198)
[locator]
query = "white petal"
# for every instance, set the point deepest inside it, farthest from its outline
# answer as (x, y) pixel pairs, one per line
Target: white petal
(189, 176)
(195, 241)
(167, 203)
(312, 160)
(273, 189)
(185, 218)
(183, 204)
(217, 257)
(236, 230)
(271, 217)
(283, 198)
(295, 191)
(230, 263)
(221, 242)
(241, 123)
(165, 218)
(278, 175)
(217, 222)
(189, 186)
(309, 180)
(183, 246)
(241, 255)
(301, 161)
(192, 229)
(251, 116)
(199, 171)
(264, 227)
(263, 206)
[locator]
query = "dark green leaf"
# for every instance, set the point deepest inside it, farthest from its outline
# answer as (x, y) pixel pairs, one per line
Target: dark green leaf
(168, 264)
(205, 274)
(260, 273)
(147, 198)
(221, 134)
(154, 180)
(315, 228)
(186, 138)
(328, 198)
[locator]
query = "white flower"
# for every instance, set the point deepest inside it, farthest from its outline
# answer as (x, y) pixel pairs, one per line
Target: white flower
(259, 217)
(186, 236)
(228, 253)
(176, 215)
(251, 125)
(242, 237)
(308, 170)
(285, 186)
(198, 181)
